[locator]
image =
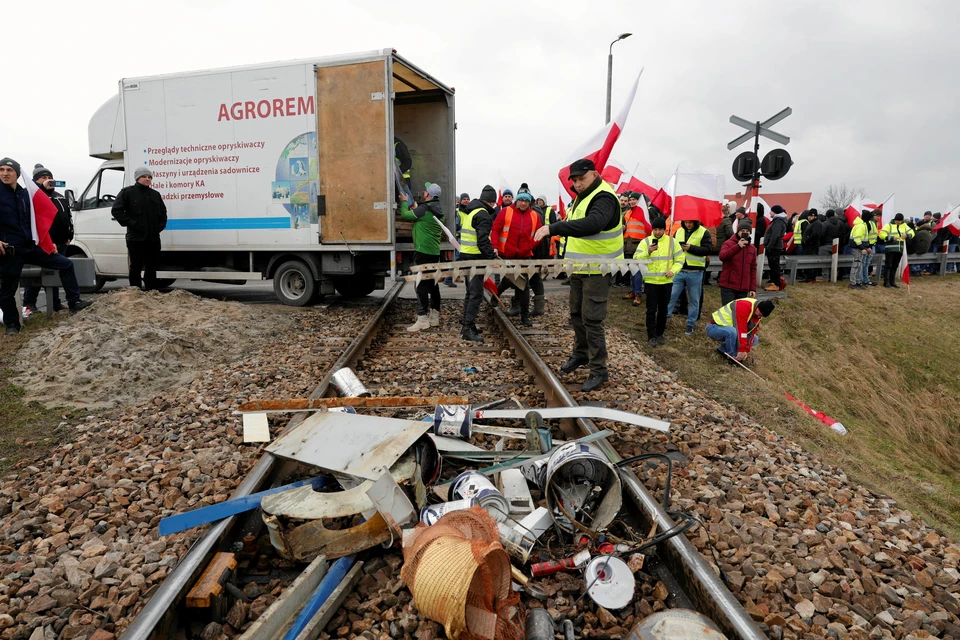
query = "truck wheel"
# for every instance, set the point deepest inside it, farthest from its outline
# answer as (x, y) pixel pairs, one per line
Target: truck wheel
(355, 286)
(294, 284)
(99, 285)
(166, 284)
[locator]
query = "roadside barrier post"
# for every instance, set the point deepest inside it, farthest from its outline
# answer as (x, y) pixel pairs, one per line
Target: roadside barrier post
(834, 259)
(943, 258)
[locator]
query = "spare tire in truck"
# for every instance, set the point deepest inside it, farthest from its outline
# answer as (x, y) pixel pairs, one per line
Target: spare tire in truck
(294, 283)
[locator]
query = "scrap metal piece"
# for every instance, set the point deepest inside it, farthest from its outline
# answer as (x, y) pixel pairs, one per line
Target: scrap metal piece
(331, 603)
(391, 503)
(309, 540)
(595, 413)
(676, 624)
(275, 619)
(356, 445)
(310, 404)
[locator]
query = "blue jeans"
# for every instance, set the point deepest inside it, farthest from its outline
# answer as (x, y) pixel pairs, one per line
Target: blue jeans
(637, 281)
(727, 337)
(692, 281)
(865, 268)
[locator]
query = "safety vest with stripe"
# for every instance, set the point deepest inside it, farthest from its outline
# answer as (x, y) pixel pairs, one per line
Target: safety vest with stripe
(508, 221)
(798, 232)
(726, 316)
(468, 233)
(895, 234)
(872, 232)
(663, 258)
(860, 233)
(606, 245)
(407, 174)
(694, 239)
(636, 229)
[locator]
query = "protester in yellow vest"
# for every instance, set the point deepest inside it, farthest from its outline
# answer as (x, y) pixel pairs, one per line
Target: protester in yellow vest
(697, 245)
(895, 234)
(666, 259)
(476, 221)
(594, 231)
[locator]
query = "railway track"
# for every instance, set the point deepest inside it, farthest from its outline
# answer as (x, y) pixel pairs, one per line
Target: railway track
(513, 362)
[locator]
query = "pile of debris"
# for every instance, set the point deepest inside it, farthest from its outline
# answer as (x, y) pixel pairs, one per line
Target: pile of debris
(489, 537)
(132, 345)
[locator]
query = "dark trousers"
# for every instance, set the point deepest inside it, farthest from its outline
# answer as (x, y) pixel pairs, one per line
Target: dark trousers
(536, 284)
(471, 303)
(729, 295)
(588, 310)
(144, 256)
(773, 259)
(658, 299)
(32, 294)
(12, 266)
(522, 295)
(428, 291)
(891, 260)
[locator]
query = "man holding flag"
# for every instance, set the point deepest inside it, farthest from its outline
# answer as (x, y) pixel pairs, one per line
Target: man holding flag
(594, 231)
(895, 234)
(25, 218)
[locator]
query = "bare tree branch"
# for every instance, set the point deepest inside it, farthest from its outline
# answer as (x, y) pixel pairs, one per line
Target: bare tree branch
(839, 196)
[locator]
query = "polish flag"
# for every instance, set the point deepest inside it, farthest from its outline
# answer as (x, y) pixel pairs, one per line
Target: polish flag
(42, 213)
(663, 199)
(614, 173)
(599, 147)
(852, 212)
(697, 196)
(951, 221)
(636, 184)
(870, 205)
(904, 268)
(887, 207)
(561, 210)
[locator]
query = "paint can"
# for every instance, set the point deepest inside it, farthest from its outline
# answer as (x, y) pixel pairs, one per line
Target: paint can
(453, 421)
(347, 384)
(609, 582)
(472, 484)
(578, 475)
(535, 472)
(433, 512)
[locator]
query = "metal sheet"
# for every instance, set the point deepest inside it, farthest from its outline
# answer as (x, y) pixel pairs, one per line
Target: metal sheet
(595, 413)
(357, 445)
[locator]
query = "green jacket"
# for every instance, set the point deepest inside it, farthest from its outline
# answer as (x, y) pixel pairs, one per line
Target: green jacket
(426, 231)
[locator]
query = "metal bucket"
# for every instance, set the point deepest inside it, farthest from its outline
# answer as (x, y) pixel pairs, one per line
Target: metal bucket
(453, 421)
(433, 512)
(572, 472)
(347, 384)
(472, 484)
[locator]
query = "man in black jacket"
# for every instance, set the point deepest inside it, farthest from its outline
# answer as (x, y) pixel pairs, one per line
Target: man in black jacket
(829, 232)
(61, 232)
(17, 248)
(476, 218)
(141, 210)
(594, 216)
(811, 240)
(773, 243)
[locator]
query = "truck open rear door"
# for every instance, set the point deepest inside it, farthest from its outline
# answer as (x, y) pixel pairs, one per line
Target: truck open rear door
(355, 153)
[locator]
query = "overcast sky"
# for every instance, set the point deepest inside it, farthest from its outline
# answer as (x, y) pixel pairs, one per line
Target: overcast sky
(873, 84)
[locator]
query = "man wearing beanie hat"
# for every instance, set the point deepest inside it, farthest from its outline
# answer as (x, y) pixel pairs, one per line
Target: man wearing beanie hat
(738, 257)
(895, 234)
(736, 326)
(17, 248)
(773, 241)
(141, 210)
(61, 233)
(666, 260)
(475, 225)
(594, 231)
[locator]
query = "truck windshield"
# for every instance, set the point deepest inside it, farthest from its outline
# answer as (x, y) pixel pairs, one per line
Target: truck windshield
(103, 189)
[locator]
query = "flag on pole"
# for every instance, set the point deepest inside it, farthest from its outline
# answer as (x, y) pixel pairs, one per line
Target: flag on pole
(613, 174)
(663, 199)
(697, 196)
(951, 221)
(599, 147)
(904, 268)
(852, 212)
(561, 209)
(42, 213)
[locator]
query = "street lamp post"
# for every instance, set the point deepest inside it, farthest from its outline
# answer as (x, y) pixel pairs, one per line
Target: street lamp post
(610, 72)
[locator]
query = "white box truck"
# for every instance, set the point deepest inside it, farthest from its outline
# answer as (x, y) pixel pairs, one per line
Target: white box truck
(280, 171)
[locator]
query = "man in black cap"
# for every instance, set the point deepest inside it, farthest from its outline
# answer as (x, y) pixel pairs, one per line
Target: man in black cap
(475, 225)
(141, 210)
(594, 231)
(17, 248)
(895, 235)
(61, 232)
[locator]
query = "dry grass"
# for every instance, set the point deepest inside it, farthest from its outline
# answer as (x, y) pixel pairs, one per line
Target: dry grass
(885, 363)
(27, 429)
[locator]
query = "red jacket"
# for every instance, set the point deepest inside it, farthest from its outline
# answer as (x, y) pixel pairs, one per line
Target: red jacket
(519, 241)
(739, 266)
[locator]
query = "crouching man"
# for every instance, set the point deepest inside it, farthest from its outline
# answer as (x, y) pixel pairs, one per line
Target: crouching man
(736, 325)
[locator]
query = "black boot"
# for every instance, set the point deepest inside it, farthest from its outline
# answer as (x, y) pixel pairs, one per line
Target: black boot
(538, 305)
(470, 333)
(514, 309)
(525, 318)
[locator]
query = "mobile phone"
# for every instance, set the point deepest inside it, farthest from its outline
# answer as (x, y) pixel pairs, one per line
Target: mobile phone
(59, 184)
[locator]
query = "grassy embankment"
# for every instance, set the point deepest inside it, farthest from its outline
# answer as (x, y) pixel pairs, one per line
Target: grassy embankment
(27, 429)
(884, 362)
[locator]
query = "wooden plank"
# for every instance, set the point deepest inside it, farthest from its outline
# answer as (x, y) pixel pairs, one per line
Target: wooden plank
(352, 147)
(279, 615)
(329, 608)
(210, 584)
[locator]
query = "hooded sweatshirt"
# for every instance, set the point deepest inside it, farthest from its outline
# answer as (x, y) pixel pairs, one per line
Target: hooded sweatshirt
(773, 238)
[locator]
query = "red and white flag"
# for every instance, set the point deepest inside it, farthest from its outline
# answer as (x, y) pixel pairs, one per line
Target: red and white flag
(904, 268)
(614, 174)
(636, 184)
(951, 221)
(599, 147)
(561, 209)
(663, 198)
(852, 212)
(697, 196)
(42, 213)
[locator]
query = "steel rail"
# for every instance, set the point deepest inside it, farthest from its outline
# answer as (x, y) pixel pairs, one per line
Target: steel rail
(152, 621)
(705, 589)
